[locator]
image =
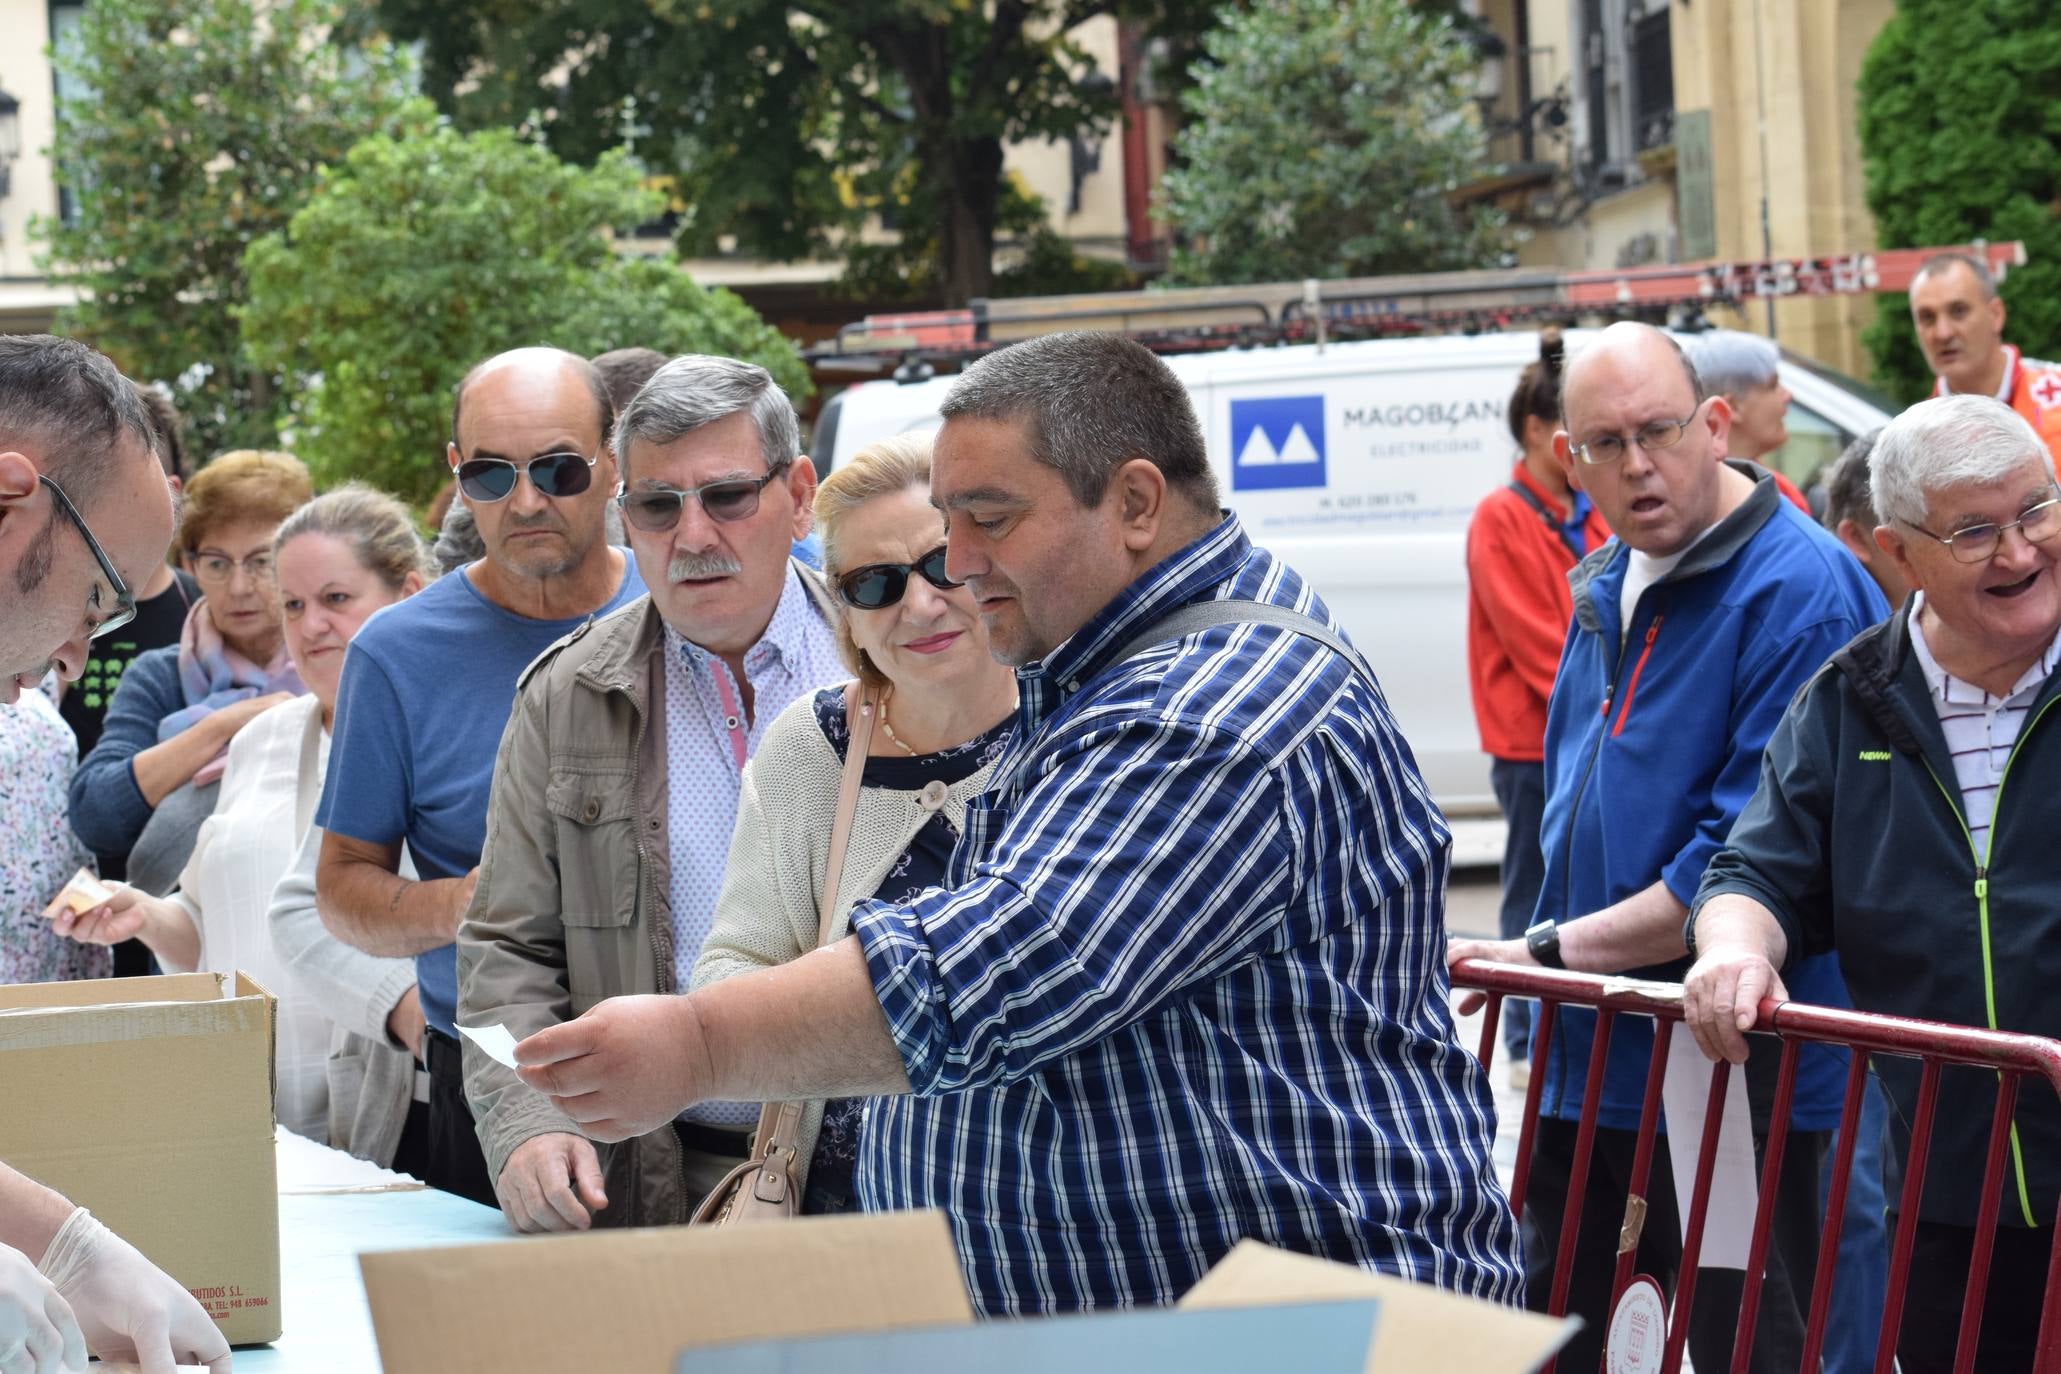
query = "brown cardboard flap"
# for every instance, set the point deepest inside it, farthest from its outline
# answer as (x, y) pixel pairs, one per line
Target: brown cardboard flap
(631, 1301)
(1418, 1327)
(110, 992)
(53, 1026)
(148, 1100)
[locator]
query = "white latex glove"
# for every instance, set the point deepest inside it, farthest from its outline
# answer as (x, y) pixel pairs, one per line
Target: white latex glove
(128, 1308)
(38, 1333)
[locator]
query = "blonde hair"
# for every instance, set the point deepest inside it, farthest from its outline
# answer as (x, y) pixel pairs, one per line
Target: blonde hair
(243, 485)
(378, 529)
(880, 469)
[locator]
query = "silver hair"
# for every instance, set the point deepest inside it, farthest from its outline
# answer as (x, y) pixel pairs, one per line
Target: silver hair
(1730, 361)
(1947, 441)
(697, 389)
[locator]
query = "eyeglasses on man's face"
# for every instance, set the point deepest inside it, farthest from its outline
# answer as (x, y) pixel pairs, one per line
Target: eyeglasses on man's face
(1978, 543)
(487, 480)
(1653, 436)
(655, 510)
(118, 606)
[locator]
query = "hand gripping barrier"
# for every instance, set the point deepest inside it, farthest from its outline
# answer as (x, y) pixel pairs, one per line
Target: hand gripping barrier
(1935, 1045)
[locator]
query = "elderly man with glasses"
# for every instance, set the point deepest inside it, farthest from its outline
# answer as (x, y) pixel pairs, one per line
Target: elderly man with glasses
(618, 783)
(427, 688)
(1906, 817)
(1693, 627)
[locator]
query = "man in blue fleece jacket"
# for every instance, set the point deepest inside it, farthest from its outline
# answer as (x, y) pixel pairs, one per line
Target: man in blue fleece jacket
(1692, 629)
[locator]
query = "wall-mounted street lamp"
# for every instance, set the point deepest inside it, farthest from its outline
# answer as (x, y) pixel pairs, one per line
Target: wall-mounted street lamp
(10, 138)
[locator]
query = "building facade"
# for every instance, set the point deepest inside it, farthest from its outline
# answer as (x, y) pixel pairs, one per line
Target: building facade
(1637, 131)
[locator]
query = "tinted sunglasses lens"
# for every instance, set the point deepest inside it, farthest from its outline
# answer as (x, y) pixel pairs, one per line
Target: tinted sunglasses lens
(486, 479)
(932, 566)
(561, 474)
(653, 511)
(869, 589)
(728, 501)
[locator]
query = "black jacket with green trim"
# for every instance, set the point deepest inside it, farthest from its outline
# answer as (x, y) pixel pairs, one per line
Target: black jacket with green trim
(1856, 840)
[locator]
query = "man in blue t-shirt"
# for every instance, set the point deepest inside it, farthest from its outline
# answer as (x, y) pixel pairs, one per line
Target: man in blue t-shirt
(427, 687)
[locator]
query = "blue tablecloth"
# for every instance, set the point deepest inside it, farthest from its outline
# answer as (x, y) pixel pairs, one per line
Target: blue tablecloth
(327, 1326)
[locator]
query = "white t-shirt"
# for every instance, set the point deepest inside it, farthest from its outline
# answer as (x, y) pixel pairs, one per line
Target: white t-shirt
(1645, 570)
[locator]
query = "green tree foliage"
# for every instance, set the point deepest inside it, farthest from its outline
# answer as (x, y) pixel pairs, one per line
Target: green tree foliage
(1960, 124)
(422, 254)
(788, 122)
(192, 127)
(1321, 140)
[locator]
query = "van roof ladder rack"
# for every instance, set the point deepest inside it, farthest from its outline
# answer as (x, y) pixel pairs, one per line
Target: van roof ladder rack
(1199, 319)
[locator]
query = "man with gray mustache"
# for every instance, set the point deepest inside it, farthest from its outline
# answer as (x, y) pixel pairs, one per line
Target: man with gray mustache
(617, 786)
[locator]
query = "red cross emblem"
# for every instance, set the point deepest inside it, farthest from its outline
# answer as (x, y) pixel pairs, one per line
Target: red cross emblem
(2045, 389)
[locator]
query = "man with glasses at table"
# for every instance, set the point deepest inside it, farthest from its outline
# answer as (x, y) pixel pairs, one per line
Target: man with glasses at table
(75, 444)
(85, 517)
(1693, 628)
(617, 787)
(1906, 818)
(426, 691)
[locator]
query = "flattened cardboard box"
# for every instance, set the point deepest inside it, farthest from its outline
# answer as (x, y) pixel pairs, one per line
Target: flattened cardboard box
(149, 1100)
(630, 1301)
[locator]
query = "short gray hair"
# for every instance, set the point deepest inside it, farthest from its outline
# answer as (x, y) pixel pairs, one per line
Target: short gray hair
(1945, 442)
(1730, 361)
(1985, 280)
(1088, 404)
(697, 389)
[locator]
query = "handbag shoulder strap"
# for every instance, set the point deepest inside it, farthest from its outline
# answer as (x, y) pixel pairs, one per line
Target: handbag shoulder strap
(779, 1126)
(864, 705)
(1208, 615)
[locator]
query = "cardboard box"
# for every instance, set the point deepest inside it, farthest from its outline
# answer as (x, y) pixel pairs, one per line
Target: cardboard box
(149, 1100)
(631, 1301)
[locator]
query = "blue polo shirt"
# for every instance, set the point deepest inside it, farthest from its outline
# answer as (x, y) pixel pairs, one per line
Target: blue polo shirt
(427, 687)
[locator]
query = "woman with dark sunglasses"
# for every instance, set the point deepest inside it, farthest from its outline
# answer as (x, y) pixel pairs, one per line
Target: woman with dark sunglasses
(943, 715)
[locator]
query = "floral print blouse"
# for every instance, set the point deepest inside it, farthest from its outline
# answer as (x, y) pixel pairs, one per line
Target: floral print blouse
(38, 851)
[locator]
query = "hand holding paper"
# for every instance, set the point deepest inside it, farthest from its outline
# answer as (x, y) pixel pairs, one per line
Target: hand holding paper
(494, 1041)
(628, 1066)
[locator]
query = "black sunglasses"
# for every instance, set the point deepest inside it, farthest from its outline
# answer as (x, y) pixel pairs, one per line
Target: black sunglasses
(552, 474)
(880, 585)
(124, 599)
(657, 509)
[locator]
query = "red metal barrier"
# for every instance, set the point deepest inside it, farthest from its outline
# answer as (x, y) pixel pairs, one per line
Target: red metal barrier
(1934, 1045)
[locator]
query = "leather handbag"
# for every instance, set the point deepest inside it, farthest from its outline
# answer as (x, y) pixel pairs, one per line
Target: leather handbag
(767, 1186)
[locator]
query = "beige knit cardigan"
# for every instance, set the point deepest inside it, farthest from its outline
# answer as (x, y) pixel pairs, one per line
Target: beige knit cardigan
(768, 911)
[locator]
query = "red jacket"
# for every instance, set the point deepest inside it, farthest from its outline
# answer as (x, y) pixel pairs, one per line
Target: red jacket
(1518, 610)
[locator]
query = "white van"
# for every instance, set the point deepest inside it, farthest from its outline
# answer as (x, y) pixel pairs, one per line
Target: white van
(1360, 465)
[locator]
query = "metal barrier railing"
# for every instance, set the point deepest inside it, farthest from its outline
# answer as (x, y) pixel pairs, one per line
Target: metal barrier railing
(1935, 1045)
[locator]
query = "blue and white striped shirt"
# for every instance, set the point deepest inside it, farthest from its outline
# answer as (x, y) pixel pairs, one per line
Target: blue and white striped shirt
(1188, 983)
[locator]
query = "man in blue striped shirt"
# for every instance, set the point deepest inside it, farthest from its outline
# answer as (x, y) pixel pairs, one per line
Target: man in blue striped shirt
(1187, 984)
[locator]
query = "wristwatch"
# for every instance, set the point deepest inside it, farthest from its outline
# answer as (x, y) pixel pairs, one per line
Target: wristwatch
(1543, 940)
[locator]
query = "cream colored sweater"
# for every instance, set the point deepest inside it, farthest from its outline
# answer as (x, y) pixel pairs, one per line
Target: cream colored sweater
(768, 911)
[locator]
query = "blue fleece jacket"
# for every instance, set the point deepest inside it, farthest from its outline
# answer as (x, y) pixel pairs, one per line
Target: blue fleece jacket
(108, 810)
(1654, 742)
